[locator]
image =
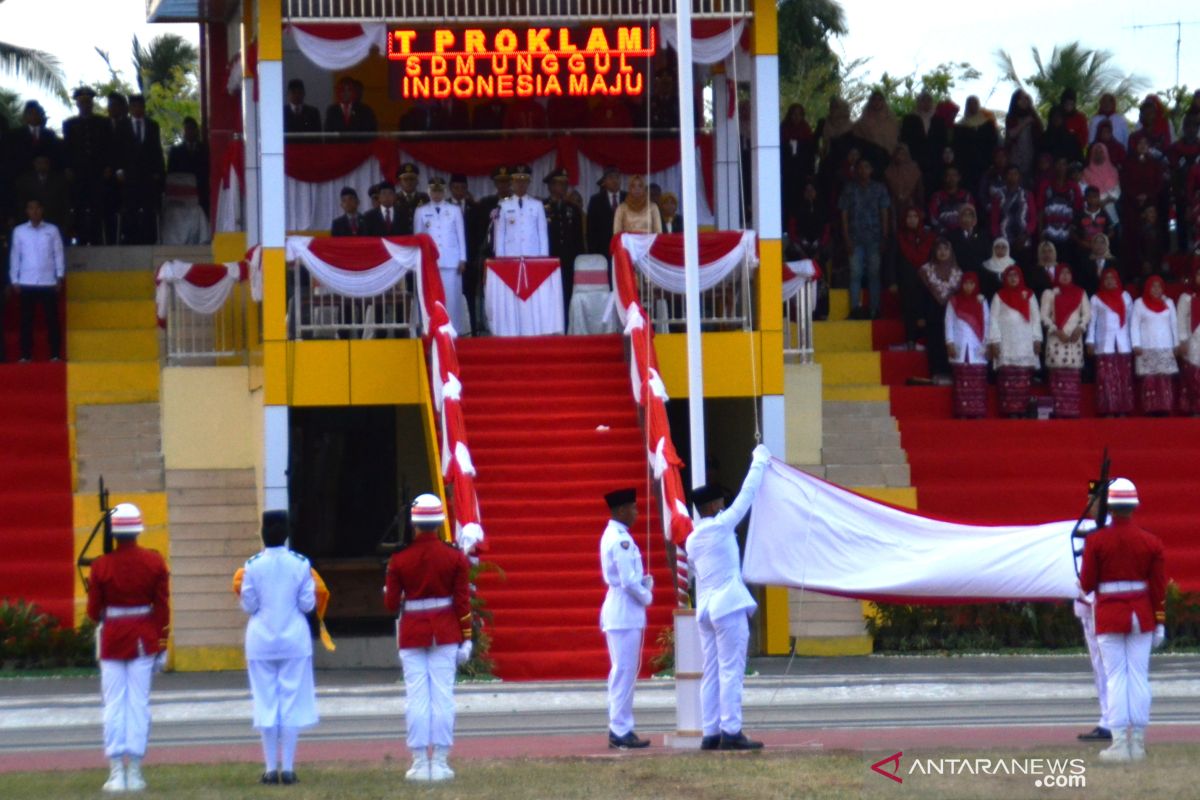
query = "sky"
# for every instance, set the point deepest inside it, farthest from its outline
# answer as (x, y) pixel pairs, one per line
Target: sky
(932, 31)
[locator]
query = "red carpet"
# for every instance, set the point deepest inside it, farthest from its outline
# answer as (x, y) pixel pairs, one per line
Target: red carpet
(36, 535)
(532, 408)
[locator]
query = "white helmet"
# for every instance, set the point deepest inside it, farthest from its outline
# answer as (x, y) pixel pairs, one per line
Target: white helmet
(428, 510)
(127, 520)
(1122, 492)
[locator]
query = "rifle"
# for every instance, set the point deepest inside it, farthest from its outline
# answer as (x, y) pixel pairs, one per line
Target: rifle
(105, 524)
(1097, 501)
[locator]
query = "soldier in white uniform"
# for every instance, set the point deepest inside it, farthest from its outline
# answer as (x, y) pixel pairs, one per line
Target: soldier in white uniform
(520, 225)
(723, 607)
(1085, 612)
(277, 592)
(623, 616)
(445, 225)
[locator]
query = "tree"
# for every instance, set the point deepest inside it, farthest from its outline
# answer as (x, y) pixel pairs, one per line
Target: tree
(805, 28)
(11, 108)
(37, 67)
(901, 93)
(157, 63)
(1091, 73)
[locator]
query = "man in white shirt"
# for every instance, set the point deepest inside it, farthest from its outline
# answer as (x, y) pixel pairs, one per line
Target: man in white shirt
(36, 270)
(623, 615)
(277, 591)
(723, 607)
(445, 225)
(520, 226)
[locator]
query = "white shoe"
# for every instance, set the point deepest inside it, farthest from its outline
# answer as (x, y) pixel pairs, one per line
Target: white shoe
(1137, 745)
(419, 771)
(134, 781)
(1118, 751)
(439, 770)
(116, 776)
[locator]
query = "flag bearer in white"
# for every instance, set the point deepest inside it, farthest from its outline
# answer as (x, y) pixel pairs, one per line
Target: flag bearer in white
(277, 592)
(129, 595)
(445, 225)
(723, 607)
(623, 615)
(1123, 565)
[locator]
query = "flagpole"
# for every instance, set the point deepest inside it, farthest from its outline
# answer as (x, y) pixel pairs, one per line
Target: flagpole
(688, 659)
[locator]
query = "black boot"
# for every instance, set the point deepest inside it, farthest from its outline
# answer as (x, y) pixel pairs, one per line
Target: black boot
(288, 778)
(1096, 734)
(711, 742)
(269, 778)
(738, 741)
(629, 741)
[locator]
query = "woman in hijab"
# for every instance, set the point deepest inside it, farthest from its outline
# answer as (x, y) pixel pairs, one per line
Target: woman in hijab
(1118, 128)
(1101, 174)
(637, 214)
(914, 243)
(942, 278)
(1188, 316)
(877, 131)
(975, 138)
(966, 327)
(993, 269)
(1065, 315)
(1154, 334)
(1014, 342)
(903, 179)
(1108, 342)
(1022, 134)
(1044, 274)
(1117, 152)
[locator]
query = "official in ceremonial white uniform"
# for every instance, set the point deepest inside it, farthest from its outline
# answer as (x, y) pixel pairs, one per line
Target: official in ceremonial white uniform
(623, 615)
(445, 225)
(723, 607)
(277, 592)
(520, 225)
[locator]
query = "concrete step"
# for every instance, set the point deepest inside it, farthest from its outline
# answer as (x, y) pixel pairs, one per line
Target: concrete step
(839, 303)
(863, 437)
(134, 258)
(210, 479)
(838, 425)
(111, 315)
(899, 496)
(851, 475)
(120, 461)
(816, 470)
(110, 285)
(859, 394)
(212, 529)
(876, 409)
(842, 336)
(112, 441)
(214, 514)
(884, 456)
(849, 368)
(236, 551)
(142, 480)
(122, 414)
(112, 383)
(113, 345)
(209, 497)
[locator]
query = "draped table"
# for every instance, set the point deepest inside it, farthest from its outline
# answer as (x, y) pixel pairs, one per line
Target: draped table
(524, 296)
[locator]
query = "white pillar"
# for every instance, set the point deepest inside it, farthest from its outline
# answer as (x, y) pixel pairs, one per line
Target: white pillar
(271, 195)
(768, 209)
(276, 435)
(250, 208)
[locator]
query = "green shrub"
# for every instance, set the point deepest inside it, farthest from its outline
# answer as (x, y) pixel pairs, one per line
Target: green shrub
(30, 639)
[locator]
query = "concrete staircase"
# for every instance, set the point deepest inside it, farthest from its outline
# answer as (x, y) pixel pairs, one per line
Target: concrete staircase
(860, 449)
(122, 443)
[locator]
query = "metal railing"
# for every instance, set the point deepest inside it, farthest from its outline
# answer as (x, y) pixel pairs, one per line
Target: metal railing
(195, 339)
(722, 308)
(316, 312)
(798, 324)
(492, 11)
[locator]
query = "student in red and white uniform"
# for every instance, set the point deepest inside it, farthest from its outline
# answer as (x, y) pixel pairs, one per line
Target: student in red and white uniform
(1109, 343)
(1154, 335)
(427, 583)
(129, 596)
(966, 327)
(1123, 565)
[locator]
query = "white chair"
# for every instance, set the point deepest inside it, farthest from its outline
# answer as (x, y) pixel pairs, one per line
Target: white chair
(591, 298)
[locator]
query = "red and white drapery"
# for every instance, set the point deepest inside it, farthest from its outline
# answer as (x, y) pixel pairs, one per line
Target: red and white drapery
(205, 288)
(660, 257)
(339, 45)
(713, 40)
(797, 275)
(361, 266)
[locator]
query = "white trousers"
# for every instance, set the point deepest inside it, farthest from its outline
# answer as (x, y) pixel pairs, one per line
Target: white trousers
(723, 644)
(1087, 619)
(429, 694)
(456, 304)
(625, 656)
(125, 686)
(1126, 659)
(283, 692)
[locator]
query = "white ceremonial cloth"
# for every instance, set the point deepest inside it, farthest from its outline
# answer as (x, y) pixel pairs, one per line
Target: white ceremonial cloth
(509, 315)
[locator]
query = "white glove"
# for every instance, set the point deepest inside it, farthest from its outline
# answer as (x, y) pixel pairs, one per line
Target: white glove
(469, 537)
(160, 661)
(464, 653)
(648, 582)
(761, 455)
(1160, 637)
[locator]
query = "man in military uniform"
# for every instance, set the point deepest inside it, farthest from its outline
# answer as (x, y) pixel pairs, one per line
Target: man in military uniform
(482, 223)
(623, 615)
(88, 142)
(385, 220)
(129, 596)
(408, 198)
(723, 607)
(445, 225)
(278, 591)
(428, 582)
(520, 227)
(1123, 565)
(564, 225)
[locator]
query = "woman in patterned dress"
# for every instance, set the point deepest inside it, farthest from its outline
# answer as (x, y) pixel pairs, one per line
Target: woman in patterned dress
(1014, 341)
(1108, 342)
(941, 277)
(1065, 315)
(1154, 334)
(966, 328)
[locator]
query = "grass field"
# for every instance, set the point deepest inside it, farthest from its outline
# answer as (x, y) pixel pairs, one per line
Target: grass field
(1166, 775)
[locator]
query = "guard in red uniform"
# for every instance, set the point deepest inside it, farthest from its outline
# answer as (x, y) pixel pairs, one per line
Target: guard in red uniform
(129, 596)
(427, 584)
(1123, 565)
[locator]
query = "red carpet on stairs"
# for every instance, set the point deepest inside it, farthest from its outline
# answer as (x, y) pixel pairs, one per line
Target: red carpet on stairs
(553, 427)
(36, 526)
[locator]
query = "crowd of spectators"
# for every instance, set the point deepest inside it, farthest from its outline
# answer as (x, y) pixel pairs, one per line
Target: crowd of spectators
(1061, 221)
